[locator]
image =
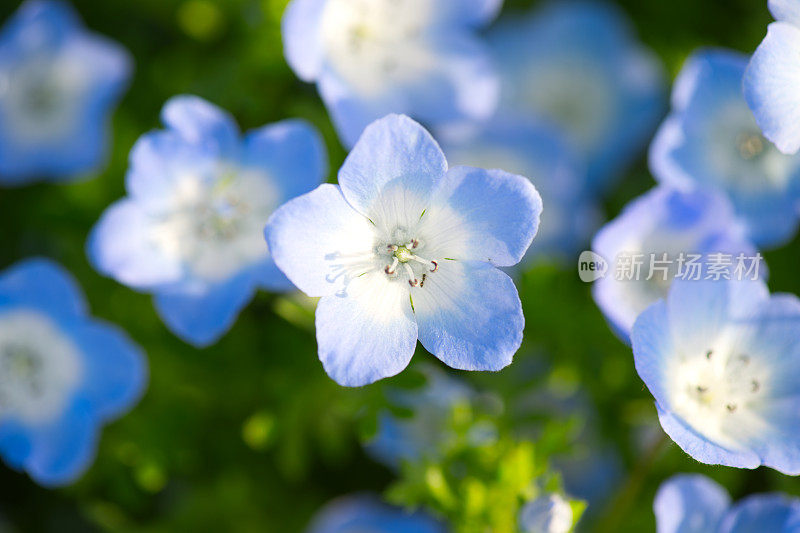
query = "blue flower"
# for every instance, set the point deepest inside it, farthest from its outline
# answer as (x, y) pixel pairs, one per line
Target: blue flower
(682, 225)
(772, 81)
(373, 57)
(712, 140)
(722, 360)
(190, 230)
(363, 512)
(549, 513)
(539, 152)
(58, 85)
(578, 65)
(693, 503)
(63, 374)
(405, 248)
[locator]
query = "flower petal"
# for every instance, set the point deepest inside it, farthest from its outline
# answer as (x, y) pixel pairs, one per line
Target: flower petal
(653, 347)
(770, 86)
(368, 332)
(785, 10)
(43, 284)
(201, 123)
(763, 512)
(318, 241)
(302, 46)
(690, 503)
(469, 315)
(393, 153)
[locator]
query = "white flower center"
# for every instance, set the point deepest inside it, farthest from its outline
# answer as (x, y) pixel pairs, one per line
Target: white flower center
(215, 225)
(710, 388)
(375, 44)
(39, 367)
(404, 256)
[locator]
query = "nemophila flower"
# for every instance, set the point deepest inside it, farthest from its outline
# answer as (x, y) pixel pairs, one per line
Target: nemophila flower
(712, 140)
(405, 248)
(190, 230)
(722, 359)
(363, 512)
(578, 65)
(63, 374)
(549, 513)
(374, 57)
(58, 86)
(664, 234)
(539, 152)
(772, 81)
(693, 503)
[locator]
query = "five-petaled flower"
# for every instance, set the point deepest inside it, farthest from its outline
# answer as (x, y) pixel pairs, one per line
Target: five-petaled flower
(772, 81)
(374, 57)
(62, 374)
(712, 140)
(190, 230)
(693, 503)
(405, 248)
(58, 84)
(722, 360)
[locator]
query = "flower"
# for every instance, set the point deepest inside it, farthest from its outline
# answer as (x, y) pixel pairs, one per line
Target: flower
(549, 513)
(579, 66)
(772, 81)
(404, 248)
(373, 57)
(539, 152)
(693, 503)
(58, 85)
(695, 229)
(712, 140)
(364, 512)
(63, 374)
(722, 359)
(190, 230)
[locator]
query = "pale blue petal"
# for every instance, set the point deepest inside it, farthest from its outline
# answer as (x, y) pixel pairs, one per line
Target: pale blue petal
(291, 152)
(469, 315)
(201, 123)
(302, 46)
(776, 513)
(500, 211)
(690, 503)
(365, 513)
(785, 10)
(45, 285)
(368, 332)
(653, 347)
(121, 246)
(770, 86)
(393, 153)
(474, 13)
(315, 238)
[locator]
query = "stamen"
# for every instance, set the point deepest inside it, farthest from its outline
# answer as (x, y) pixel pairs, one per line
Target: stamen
(435, 266)
(392, 269)
(709, 354)
(731, 407)
(412, 280)
(702, 389)
(392, 248)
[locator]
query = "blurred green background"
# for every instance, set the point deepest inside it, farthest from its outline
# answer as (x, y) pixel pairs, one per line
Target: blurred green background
(250, 434)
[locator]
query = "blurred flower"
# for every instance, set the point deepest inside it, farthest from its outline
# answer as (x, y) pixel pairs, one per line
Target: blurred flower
(578, 65)
(406, 248)
(546, 514)
(58, 85)
(662, 221)
(62, 374)
(190, 230)
(722, 359)
(373, 57)
(711, 140)
(693, 503)
(360, 513)
(772, 81)
(538, 152)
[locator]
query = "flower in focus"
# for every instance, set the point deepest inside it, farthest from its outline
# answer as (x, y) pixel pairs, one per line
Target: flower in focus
(58, 86)
(190, 230)
(772, 81)
(374, 57)
(722, 360)
(693, 503)
(579, 66)
(550, 513)
(536, 151)
(363, 512)
(405, 248)
(662, 235)
(62, 374)
(712, 140)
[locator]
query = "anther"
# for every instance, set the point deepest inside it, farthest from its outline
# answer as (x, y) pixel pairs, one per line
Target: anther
(435, 266)
(413, 282)
(731, 407)
(391, 269)
(392, 248)
(414, 243)
(709, 354)
(412, 279)
(702, 389)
